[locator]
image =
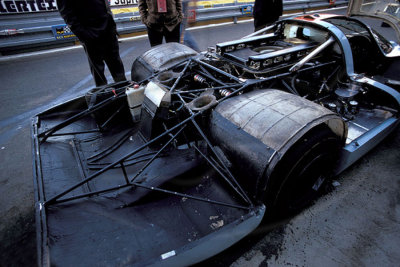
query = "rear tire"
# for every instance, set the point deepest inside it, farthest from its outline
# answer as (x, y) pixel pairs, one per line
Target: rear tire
(302, 174)
(159, 58)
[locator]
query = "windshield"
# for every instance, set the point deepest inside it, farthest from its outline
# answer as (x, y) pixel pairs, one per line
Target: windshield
(304, 32)
(355, 28)
(388, 10)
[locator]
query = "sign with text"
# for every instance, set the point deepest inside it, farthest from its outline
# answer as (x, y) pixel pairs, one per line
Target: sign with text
(28, 6)
(24, 6)
(191, 15)
(246, 10)
(62, 32)
(123, 2)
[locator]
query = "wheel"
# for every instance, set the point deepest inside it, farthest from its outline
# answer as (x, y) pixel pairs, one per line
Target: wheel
(159, 58)
(299, 178)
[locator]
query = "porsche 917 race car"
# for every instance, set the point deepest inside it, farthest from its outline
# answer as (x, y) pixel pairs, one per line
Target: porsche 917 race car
(189, 156)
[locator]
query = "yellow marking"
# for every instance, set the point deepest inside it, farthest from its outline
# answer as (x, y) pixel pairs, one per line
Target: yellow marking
(116, 11)
(206, 4)
(135, 18)
(220, 2)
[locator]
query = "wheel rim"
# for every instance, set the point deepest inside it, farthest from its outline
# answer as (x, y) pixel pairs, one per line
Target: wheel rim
(307, 185)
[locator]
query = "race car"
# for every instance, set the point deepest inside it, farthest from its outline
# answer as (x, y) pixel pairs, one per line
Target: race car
(190, 155)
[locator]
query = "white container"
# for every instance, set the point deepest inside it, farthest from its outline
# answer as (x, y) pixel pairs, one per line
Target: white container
(135, 96)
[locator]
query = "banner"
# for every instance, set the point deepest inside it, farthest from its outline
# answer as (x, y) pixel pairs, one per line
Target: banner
(23, 6)
(27, 6)
(122, 2)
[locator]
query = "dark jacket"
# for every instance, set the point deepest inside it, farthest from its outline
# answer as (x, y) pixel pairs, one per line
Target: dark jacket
(88, 19)
(152, 19)
(267, 11)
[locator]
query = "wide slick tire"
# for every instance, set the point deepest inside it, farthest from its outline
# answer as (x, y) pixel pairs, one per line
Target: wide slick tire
(303, 173)
(159, 58)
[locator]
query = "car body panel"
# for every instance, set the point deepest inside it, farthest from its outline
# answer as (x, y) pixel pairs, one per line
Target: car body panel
(388, 10)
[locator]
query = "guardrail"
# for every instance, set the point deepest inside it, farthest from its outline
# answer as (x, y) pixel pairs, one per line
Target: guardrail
(32, 31)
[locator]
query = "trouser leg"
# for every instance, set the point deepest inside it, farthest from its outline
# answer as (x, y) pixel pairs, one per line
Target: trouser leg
(96, 63)
(174, 35)
(259, 23)
(155, 37)
(113, 59)
(189, 40)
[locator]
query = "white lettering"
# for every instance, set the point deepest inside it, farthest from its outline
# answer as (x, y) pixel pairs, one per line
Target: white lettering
(28, 6)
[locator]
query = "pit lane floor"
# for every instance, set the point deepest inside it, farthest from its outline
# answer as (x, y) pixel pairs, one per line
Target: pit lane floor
(358, 223)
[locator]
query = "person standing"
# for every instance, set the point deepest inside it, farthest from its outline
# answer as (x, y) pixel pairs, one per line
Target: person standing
(189, 11)
(162, 19)
(92, 22)
(266, 12)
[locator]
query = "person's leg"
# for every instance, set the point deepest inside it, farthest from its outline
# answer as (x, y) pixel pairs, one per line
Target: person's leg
(259, 23)
(155, 37)
(113, 59)
(174, 35)
(262, 20)
(96, 63)
(190, 41)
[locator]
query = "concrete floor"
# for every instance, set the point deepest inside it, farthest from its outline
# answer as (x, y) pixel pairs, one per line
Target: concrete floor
(358, 223)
